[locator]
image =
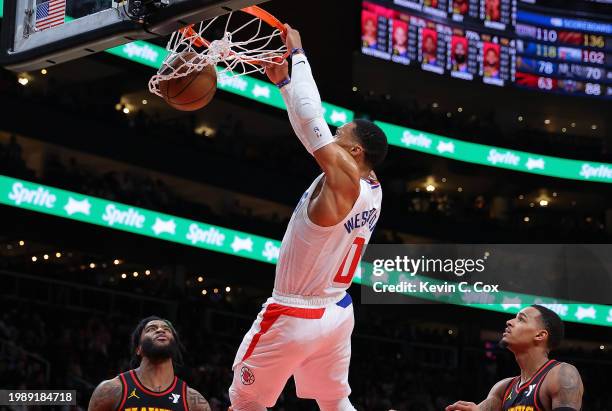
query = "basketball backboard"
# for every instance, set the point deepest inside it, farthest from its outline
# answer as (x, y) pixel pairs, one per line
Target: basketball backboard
(41, 33)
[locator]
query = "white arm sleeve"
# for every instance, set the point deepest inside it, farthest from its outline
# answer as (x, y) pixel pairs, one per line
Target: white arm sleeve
(304, 107)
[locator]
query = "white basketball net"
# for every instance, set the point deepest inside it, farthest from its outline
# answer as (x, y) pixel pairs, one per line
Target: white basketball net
(238, 57)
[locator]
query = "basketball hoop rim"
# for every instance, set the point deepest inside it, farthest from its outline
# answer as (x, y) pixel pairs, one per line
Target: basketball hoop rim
(254, 11)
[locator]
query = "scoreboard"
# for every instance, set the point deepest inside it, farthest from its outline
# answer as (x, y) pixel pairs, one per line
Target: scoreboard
(494, 42)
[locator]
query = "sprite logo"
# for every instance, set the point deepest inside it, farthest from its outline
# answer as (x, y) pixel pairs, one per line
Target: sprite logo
(38, 197)
(130, 217)
(601, 171)
(142, 51)
(504, 158)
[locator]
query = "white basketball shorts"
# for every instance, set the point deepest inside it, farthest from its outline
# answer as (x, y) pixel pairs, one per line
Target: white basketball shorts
(311, 343)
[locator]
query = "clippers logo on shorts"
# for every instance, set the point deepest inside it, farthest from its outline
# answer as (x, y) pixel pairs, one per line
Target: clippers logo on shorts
(526, 397)
(246, 376)
(136, 397)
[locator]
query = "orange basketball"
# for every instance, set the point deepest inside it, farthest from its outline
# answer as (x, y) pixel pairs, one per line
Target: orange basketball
(190, 92)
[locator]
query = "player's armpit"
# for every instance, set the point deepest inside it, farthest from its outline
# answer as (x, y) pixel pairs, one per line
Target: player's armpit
(565, 387)
(196, 401)
(106, 396)
(341, 170)
(340, 187)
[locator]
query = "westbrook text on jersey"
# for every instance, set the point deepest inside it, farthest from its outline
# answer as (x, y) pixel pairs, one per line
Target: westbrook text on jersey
(361, 219)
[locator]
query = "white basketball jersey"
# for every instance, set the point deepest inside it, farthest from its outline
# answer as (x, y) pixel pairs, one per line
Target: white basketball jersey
(321, 261)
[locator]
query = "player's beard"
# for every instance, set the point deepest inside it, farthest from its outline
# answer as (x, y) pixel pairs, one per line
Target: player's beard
(502, 343)
(156, 352)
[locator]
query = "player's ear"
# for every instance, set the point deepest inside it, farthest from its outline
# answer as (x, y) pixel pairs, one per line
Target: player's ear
(541, 335)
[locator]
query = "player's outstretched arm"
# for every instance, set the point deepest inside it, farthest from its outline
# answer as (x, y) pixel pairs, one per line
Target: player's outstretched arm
(196, 401)
(301, 96)
(493, 402)
(106, 396)
(565, 388)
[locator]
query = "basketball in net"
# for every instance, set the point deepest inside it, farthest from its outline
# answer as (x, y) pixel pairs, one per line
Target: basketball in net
(191, 91)
(227, 46)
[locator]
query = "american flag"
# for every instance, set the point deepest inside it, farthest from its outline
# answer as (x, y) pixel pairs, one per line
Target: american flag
(50, 13)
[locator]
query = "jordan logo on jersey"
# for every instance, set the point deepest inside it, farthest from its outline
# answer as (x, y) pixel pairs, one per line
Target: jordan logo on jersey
(361, 219)
(530, 390)
(133, 394)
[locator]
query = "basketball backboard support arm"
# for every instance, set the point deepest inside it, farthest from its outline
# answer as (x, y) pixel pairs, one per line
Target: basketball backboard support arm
(25, 49)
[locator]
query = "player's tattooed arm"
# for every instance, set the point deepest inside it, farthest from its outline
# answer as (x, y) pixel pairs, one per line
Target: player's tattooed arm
(196, 401)
(566, 387)
(106, 396)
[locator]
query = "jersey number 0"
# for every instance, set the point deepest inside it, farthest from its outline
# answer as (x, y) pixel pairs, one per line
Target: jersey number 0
(346, 272)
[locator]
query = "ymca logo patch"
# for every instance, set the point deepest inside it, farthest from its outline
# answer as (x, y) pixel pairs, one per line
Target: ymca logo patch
(246, 376)
(175, 398)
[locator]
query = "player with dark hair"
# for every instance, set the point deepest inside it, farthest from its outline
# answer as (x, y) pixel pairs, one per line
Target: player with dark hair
(156, 348)
(304, 329)
(544, 384)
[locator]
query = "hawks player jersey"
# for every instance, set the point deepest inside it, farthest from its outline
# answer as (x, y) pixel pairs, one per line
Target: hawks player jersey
(321, 261)
(137, 398)
(526, 397)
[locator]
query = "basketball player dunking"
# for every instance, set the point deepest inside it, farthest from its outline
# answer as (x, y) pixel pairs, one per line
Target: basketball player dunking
(304, 329)
(153, 384)
(544, 384)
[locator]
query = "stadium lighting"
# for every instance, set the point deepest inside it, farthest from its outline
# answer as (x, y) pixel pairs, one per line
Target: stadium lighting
(601, 347)
(430, 187)
(216, 291)
(449, 114)
(460, 109)
(547, 121)
(355, 88)
(435, 105)
(46, 256)
(204, 292)
(520, 118)
(531, 205)
(43, 72)
(118, 106)
(21, 243)
(135, 274)
(521, 197)
(23, 80)
(58, 254)
(554, 194)
(228, 289)
(526, 219)
(92, 265)
(147, 272)
(594, 127)
(145, 102)
(124, 276)
(543, 203)
(563, 130)
(573, 125)
(116, 262)
(34, 258)
(460, 189)
(126, 110)
(444, 179)
(200, 279)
